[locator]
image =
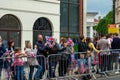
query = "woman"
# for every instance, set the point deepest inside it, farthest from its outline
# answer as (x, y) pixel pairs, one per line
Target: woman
(63, 62)
(8, 61)
(2, 51)
(90, 54)
(72, 58)
(11, 45)
(91, 45)
(32, 61)
(53, 49)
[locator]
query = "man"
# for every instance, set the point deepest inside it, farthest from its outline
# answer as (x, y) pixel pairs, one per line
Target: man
(2, 51)
(41, 51)
(115, 45)
(103, 45)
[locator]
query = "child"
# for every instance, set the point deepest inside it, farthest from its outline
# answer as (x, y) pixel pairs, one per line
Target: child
(82, 67)
(89, 59)
(32, 61)
(73, 62)
(82, 64)
(7, 64)
(19, 64)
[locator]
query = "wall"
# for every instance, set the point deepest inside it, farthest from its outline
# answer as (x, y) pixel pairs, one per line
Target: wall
(84, 17)
(28, 11)
(90, 23)
(117, 13)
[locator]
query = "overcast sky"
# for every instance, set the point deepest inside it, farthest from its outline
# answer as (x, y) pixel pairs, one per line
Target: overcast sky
(101, 6)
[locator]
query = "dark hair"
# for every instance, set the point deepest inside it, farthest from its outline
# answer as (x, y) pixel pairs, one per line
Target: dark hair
(109, 35)
(10, 42)
(102, 35)
(81, 37)
(88, 40)
(116, 34)
(96, 38)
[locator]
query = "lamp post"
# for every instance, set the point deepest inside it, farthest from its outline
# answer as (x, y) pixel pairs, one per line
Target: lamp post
(114, 11)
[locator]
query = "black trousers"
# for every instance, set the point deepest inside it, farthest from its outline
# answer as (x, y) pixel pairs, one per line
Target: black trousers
(63, 67)
(106, 63)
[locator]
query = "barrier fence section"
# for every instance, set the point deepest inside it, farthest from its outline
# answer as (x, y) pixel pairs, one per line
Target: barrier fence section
(109, 61)
(78, 65)
(23, 68)
(70, 66)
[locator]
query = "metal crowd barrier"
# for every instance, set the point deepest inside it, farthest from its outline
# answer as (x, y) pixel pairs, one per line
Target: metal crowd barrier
(34, 62)
(79, 65)
(109, 62)
(64, 66)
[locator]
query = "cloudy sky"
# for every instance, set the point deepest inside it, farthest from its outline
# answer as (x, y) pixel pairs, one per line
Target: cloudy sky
(101, 6)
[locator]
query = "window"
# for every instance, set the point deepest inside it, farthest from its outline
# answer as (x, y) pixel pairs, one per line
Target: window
(41, 26)
(10, 29)
(69, 19)
(88, 31)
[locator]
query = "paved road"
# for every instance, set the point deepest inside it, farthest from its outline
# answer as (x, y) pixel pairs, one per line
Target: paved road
(111, 78)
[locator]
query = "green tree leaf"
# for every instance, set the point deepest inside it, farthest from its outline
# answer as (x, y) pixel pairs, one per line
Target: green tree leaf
(102, 26)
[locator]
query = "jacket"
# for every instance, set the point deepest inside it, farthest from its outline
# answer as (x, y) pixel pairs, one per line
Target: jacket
(2, 50)
(41, 48)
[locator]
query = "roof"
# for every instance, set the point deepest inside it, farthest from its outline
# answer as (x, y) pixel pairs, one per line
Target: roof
(92, 13)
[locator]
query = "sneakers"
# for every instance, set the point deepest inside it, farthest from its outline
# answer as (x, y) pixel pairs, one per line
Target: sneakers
(117, 72)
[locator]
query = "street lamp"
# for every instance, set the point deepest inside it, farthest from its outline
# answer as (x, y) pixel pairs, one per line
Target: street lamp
(114, 11)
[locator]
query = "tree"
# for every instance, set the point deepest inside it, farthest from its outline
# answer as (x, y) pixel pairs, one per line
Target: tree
(102, 26)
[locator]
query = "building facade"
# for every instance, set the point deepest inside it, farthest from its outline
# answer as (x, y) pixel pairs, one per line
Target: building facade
(90, 23)
(23, 20)
(117, 12)
(73, 18)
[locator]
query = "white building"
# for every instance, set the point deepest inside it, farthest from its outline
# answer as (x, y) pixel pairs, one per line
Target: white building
(117, 12)
(23, 20)
(90, 23)
(23, 16)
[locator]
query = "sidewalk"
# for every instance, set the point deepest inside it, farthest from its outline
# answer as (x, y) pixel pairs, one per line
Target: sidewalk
(116, 77)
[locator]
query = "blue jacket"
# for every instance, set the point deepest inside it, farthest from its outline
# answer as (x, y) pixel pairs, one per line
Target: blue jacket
(41, 48)
(116, 43)
(2, 50)
(80, 61)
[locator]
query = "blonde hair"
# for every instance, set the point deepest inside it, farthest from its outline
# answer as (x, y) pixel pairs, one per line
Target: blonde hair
(26, 44)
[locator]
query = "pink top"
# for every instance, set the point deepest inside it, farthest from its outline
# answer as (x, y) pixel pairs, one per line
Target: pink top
(18, 61)
(110, 40)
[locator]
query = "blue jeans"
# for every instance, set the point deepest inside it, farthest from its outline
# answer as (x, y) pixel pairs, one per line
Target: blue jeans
(1, 66)
(52, 67)
(38, 72)
(19, 72)
(41, 62)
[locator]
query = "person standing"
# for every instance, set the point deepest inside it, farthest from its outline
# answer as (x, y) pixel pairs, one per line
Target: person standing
(9, 68)
(19, 64)
(40, 45)
(53, 49)
(11, 48)
(2, 51)
(115, 46)
(103, 46)
(82, 46)
(92, 53)
(91, 45)
(33, 63)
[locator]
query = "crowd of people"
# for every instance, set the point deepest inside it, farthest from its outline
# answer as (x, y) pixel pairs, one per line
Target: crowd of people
(46, 55)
